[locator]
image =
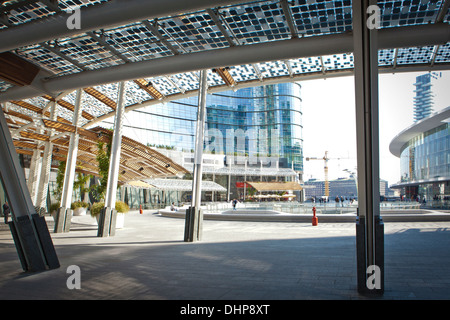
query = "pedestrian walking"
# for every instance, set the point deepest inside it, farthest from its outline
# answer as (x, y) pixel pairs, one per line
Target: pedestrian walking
(6, 211)
(234, 203)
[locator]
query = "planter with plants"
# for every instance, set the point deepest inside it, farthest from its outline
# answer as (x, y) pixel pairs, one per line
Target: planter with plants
(121, 208)
(53, 208)
(79, 208)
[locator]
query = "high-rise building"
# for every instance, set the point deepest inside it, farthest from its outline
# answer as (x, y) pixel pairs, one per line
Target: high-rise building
(251, 134)
(423, 101)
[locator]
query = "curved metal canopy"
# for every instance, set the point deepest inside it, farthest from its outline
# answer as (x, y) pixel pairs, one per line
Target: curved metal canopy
(159, 46)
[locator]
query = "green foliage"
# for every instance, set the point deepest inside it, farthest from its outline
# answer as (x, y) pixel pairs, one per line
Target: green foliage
(54, 206)
(81, 182)
(79, 204)
(59, 180)
(98, 206)
(103, 156)
(122, 207)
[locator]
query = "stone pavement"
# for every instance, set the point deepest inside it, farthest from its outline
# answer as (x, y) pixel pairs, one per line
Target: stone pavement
(148, 259)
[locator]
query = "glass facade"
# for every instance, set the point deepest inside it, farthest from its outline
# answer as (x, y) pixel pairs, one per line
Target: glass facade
(423, 99)
(267, 118)
(425, 167)
(427, 156)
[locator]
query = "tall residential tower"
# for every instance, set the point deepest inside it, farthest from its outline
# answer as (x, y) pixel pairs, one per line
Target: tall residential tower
(423, 101)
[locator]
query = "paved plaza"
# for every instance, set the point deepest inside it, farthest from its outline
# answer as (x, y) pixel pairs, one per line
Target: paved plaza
(236, 260)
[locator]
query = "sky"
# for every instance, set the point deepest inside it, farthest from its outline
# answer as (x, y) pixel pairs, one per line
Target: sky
(329, 124)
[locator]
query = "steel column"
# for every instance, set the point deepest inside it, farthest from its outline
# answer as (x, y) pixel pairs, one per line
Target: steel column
(194, 216)
(30, 232)
(34, 174)
(41, 201)
(107, 225)
(64, 213)
(369, 227)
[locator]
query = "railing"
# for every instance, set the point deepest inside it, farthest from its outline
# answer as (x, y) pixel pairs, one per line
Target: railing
(305, 208)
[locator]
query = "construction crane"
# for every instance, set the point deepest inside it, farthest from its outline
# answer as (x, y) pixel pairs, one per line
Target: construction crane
(325, 168)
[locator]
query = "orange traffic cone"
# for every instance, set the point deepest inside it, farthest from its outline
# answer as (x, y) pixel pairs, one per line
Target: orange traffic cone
(140, 209)
(315, 220)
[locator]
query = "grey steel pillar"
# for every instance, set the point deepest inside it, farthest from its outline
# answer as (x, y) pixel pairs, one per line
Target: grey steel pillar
(30, 232)
(41, 201)
(34, 174)
(369, 226)
(107, 220)
(194, 215)
(64, 213)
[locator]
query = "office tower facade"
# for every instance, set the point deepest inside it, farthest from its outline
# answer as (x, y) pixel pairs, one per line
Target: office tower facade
(423, 101)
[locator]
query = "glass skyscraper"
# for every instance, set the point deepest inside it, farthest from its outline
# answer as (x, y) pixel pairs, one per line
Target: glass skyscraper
(267, 118)
(423, 101)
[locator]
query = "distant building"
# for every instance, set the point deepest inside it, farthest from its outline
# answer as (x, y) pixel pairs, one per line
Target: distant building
(424, 153)
(341, 187)
(423, 101)
(345, 187)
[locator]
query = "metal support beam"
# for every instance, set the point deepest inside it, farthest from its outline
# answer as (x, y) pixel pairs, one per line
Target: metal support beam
(34, 173)
(30, 232)
(107, 221)
(111, 14)
(410, 36)
(369, 226)
(64, 214)
(194, 216)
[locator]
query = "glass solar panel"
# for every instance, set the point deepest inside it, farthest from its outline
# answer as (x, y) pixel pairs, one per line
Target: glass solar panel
(190, 32)
(244, 72)
(408, 12)
(443, 54)
(136, 42)
(28, 12)
(414, 55)
(256, 22)
(47, 59)
(5, 85)
(322, 17)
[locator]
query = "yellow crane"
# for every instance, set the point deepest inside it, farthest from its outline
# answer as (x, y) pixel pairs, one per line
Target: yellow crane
(325, 168)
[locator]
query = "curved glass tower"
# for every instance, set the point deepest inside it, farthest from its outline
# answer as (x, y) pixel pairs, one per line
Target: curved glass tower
(256, 122)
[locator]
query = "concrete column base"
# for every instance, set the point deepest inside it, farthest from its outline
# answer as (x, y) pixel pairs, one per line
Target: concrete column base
(370, 279)
(33, 243)
(63, 220)
(107, 222)
(193, 224)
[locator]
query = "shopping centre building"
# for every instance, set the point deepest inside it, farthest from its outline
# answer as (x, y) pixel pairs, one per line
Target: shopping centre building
(424, 153)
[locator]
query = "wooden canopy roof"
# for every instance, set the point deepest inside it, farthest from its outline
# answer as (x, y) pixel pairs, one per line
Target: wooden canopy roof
(275, 186)
(137, 162)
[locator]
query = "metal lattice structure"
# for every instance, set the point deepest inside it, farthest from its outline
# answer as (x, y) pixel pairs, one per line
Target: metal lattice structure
(158, 48)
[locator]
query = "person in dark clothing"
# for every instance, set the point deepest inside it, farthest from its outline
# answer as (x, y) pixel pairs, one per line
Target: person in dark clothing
(6, 211)
(234, 204)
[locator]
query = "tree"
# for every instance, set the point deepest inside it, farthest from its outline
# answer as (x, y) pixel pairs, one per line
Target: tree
(103, 156)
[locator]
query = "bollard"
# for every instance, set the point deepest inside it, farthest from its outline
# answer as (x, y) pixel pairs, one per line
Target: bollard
(140, 209)
(315, 220)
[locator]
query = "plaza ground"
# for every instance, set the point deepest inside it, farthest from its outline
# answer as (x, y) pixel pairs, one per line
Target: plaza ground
(235, 260)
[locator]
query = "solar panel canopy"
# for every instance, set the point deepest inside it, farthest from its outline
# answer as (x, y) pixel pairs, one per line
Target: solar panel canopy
(158, 48)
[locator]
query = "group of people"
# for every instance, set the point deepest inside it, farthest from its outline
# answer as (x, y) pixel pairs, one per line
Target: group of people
(341, 200)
